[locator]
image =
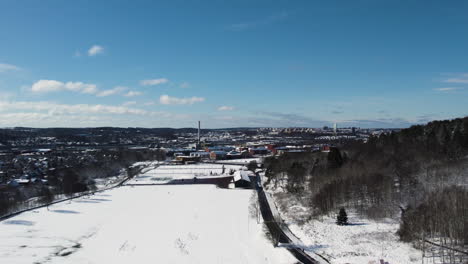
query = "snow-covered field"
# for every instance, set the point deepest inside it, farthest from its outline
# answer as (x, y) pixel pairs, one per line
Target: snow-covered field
(166, 173)
(147, 224)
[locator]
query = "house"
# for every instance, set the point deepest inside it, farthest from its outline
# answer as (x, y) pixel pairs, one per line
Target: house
(188, 159)
(234, 155)
(218, 155)
(13, 183)
(23, 181)
(326, 149)
(246, 154)
(258, 151)
(271, 148)
(244, 178)
(219, 148)
(201, 154)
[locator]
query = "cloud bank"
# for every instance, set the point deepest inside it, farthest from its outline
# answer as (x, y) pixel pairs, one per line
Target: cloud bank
(168, 100)
(46, 86)
(225, 108)
(152, 82)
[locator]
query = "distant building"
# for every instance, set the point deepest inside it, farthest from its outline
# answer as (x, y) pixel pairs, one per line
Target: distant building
(244, 179)
(219, 148)
(234, 155)
(258, 151)
(218, 155)
(326, 149)
(188, 159)
(201, 154)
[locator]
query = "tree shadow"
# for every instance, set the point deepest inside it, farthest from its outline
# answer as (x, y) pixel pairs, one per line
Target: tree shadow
(19, 222)
(357, 224)
(103, 195)
(100, 200)
(65, 211)
(86, 201)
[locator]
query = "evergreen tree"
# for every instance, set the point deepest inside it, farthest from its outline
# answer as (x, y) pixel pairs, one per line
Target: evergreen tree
(335, 160)
(342, 218)
(252, 166)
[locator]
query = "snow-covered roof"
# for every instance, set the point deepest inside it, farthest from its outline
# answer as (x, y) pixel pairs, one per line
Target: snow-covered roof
(242, 175)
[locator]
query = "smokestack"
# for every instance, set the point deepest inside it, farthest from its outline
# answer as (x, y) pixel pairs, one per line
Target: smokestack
(198, 133)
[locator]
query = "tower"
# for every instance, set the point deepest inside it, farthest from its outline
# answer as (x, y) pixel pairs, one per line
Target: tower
(198, 141)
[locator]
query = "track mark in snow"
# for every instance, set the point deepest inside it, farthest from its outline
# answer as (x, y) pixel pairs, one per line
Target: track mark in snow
(127, 247)
(192, 236)
(19, 222)
(65, 211)
(181, 246)
(68, 251)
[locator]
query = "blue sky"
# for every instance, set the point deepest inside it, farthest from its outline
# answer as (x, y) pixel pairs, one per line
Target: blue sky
(373, 63)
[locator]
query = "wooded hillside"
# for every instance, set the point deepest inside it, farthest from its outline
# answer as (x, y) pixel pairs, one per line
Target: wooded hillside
(419, 175)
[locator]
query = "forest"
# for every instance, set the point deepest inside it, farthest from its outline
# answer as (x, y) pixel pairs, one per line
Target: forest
(418, 175)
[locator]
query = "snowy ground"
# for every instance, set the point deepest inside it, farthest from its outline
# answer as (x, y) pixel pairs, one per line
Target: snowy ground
(102, 183)
(147, 224)
(362, 242)
(166, 173)
(246, 161)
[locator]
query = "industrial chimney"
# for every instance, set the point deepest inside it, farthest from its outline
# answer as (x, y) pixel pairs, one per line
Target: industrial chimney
(198, 135)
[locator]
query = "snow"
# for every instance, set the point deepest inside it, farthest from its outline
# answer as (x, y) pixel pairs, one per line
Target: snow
(243, 175)
(147, 163)
(143, 224)
(363, 241)
(166, 173)
(107, 182)
(238, 161)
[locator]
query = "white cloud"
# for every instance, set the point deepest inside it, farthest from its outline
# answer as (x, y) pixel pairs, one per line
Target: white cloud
(152, 82)
(457, 80)
(54, 108)
(185, 85)
(95, 50)
(50, 114)
(461, 78)
(447, 89)
(257, 23)
(5, 95)
(45, 86)
(149, 103)
(113, 91)
(225, 108)
(129, 103)
(168, 100)
(133, 93)
(8, 67)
